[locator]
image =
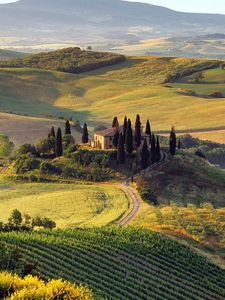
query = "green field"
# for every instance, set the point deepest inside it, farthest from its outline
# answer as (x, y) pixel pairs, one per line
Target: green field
(213, 82)
(122, 263)
(127, 88)
(68, 205)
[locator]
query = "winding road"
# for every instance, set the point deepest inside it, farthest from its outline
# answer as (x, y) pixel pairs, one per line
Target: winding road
(132, 194)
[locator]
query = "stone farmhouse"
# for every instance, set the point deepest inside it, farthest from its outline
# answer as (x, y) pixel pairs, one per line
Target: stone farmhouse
(104, 139)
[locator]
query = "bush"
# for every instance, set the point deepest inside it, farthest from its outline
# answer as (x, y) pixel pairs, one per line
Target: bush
(200, 154)
(43, 222)
(48, 168)
(25, 164)
(27, 149)
(46, 146)
(146, 192)
(31, 287)
(6, 146)
(216, 95)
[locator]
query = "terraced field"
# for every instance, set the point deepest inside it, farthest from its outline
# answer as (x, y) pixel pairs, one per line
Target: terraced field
(68, 205)
(122, 263)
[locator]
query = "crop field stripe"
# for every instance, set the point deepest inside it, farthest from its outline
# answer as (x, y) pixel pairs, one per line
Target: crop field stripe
(85, 256)
(154, 257)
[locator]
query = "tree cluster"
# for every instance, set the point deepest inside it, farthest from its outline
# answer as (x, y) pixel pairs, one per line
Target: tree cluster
(70, 60)
(129, 142)
(19, 222)
(54, 145)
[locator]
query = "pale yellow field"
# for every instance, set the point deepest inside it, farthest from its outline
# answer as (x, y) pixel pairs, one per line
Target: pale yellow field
(68, 205)
(23, 129)
(144, 44)
(217, 136)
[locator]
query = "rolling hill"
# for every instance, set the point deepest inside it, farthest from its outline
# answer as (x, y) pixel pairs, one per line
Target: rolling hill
(136, 85)
(7, 54)
(70, 60)
(122, 263)
(98, 23)
(68, 205)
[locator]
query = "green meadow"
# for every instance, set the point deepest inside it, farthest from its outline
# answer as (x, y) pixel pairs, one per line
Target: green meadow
(68, 205)
(137, 85)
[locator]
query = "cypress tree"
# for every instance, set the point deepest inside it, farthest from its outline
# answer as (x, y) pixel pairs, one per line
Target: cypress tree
(115, 123)
(116, 138)
(145, 155)
(121, 156)
(179, 144)
(158, 151)
(148, 131)
(153, 149)
(137, 132)
(67, 128)
(129, 138)
(125, 126)
(59, 147)
(173, 141)
(85, 136)
(51, 132)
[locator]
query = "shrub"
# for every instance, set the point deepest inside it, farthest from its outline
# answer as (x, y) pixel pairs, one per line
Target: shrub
(46, 146)
(25, 164)
(146, 192)
(6, 146)
(31, 287)
(216, 95)
(49, 168)
(200, 154)
(27, 149)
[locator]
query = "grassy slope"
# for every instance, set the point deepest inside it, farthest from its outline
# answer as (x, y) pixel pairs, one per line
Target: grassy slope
(23, 129)
(188, 179)
(183, 181)
(123, 263)
(131, 87)
(67, 205)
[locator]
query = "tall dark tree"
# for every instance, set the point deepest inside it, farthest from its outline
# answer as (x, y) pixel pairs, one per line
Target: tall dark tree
(125, 126)
(59, 146)
(137, 132)
(67, 128)
(85, 136)
(153, 149)
(148, 131)
(51, 132)
(179, 144)
(173, 141)
(129, 138)
(115, 123)
(121, 156)
(116, 138)
(145, 155)
(158, 151)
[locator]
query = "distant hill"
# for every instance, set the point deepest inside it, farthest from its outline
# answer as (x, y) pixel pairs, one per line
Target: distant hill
(99, 22)
(7, 54)
(70, 60)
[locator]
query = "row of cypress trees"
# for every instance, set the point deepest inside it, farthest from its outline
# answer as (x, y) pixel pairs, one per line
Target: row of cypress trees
(126, 141)
(58, 137)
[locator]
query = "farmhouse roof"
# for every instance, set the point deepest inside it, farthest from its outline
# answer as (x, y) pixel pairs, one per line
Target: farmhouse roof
(109, 132)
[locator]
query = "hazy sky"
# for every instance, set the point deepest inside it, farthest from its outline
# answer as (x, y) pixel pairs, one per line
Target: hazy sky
(208, 6)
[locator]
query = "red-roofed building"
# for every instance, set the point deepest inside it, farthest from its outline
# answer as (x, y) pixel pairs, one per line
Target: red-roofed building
(104, 139)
